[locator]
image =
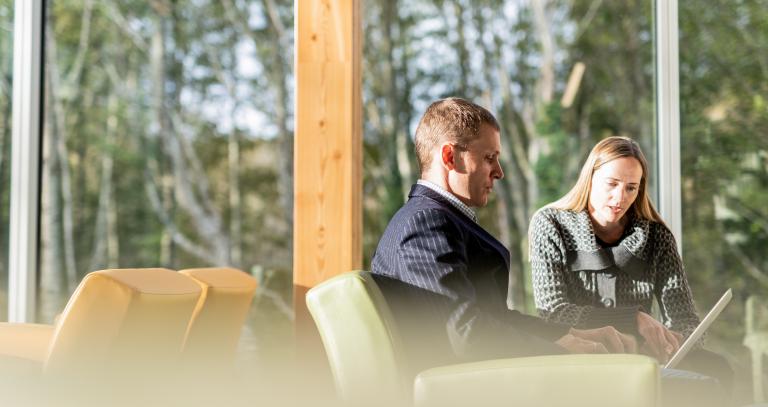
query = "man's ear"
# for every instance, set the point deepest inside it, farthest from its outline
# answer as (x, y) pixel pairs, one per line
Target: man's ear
(448, 156)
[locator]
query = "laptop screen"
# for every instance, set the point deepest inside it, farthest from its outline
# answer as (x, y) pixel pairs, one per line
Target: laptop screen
(700, 329)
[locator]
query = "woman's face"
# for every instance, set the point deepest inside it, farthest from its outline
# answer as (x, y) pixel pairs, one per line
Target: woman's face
(614, 188)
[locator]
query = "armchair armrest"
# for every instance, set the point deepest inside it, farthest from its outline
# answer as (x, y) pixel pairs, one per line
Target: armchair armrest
(563, 380)
(25, 341)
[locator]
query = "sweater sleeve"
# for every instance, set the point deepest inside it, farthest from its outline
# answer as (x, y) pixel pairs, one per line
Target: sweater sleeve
(551, 282)
(671, 285)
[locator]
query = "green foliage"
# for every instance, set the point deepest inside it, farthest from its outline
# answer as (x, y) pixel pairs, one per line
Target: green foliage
(724, 144)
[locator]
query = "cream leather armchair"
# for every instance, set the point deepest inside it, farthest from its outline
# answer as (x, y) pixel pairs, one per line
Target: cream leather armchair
(366, 358)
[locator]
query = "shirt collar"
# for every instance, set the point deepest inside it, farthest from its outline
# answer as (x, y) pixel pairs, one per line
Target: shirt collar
(461, 206)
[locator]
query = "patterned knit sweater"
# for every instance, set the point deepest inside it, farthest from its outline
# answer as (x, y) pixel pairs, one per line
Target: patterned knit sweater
(579, 282)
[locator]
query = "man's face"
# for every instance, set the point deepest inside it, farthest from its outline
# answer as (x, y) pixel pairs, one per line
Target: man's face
(476, 168)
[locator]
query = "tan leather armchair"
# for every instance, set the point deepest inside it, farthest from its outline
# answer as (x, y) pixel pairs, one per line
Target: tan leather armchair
(116, 320)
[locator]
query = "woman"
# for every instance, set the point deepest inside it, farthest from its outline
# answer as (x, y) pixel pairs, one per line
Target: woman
(601, 254)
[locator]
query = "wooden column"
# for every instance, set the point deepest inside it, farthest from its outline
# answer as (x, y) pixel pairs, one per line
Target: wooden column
(327, 228)
(327, 231)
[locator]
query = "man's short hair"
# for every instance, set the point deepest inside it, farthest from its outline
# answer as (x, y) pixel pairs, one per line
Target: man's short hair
(454, 120)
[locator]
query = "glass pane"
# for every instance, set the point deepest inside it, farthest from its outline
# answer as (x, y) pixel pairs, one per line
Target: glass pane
(724, 153)
(6, 96)
(515, 57)
(167, 143)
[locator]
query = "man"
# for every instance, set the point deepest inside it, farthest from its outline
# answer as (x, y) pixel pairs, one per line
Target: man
(434, 250)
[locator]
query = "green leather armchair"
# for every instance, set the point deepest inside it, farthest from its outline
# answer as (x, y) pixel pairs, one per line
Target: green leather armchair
(366, 355)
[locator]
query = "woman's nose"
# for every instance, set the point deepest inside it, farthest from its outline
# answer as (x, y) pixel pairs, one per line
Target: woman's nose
(620, 194)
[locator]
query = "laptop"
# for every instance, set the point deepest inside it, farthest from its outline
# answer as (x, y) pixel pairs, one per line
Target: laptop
(696, 335)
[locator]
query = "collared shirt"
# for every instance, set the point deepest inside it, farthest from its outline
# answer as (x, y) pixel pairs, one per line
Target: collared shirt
(461, 206)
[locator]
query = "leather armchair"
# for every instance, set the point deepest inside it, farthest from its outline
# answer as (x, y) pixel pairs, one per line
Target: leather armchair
(366, 357)
(116, 320)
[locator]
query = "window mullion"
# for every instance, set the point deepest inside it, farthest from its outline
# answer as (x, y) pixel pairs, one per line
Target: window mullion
(668, 115)
(25, 159)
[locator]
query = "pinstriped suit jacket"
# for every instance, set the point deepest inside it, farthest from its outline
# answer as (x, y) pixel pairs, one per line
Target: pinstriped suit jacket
(459, 273)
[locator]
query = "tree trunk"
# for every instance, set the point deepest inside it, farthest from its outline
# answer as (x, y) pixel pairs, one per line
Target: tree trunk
(391, 129)
(105, 243)
(280, 70)
(461, 50)
(235, 210)
(513, 187)
(189, 183)
(58, 145)
(53, 278)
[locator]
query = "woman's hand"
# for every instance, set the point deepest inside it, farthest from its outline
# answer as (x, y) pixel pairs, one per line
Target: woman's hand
(574, 344)
(601, 340)
(660, 342)
(613, 340)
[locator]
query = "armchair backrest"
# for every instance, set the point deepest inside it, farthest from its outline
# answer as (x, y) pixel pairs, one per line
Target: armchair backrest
(122, 318)
(215, 327)
(360, 339)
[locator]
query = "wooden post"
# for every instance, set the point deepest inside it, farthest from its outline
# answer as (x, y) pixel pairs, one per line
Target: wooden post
(328, 145)
(327, 231)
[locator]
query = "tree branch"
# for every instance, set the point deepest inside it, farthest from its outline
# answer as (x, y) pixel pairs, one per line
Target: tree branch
(751, 268)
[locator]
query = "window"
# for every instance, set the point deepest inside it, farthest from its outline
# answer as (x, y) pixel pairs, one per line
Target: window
(167, 143)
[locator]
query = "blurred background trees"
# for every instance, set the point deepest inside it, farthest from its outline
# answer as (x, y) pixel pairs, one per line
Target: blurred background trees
(514, 58)
(168, 130)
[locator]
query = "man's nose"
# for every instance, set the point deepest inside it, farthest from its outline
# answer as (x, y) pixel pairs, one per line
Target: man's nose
(499, 172)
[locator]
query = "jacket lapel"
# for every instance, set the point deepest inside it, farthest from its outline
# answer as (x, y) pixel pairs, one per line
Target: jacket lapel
(422, 191)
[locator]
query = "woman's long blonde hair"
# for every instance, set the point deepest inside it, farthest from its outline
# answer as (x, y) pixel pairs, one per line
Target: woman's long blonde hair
(609, 149)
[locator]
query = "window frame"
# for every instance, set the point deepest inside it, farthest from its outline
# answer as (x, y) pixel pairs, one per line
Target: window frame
(667, 89)
(25, 159)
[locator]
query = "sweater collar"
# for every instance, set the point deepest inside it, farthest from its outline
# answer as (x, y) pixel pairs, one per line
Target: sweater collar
(626, 256)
